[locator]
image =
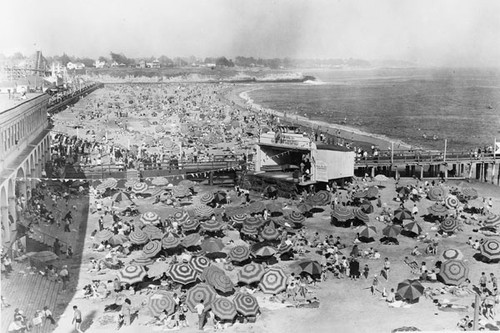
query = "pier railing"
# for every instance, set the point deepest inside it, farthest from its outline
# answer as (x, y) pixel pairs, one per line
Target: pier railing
(424, 157)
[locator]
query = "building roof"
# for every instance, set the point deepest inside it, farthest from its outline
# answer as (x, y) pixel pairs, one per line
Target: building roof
(333, 147)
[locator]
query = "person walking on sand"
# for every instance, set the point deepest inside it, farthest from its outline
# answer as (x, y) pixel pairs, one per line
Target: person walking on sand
(200, 310)
(374, 284)
(77, 319)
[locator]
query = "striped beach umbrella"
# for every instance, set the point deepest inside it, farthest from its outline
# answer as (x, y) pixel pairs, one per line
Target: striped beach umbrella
(182, 273)
(284, 248)
(239, 218)
(359, 194)
(199, 263)
(138, 237)
(142, 261)
(157, 269)
(221, 282)
(211, 225)
(413, 227)
(151, 249)
(149, 218)
(296, 217)
(492, 220)
(224, 308)
(211, 245)
(367, 207)
(410, 289)
(239, 253)
(251, 273)
(191, 240)
(159, 181)
(139, 187)
(251, 231)
(131, 274)
(191, 224)
(131, 182)
(403, 191)
(391, 231)
(269, 232)
(201, 291)
(454, 272)
(361, 216)
(118, 239)
(138, 225)
(111, 183)
(469, 192)
(180, 191)
(103, 235)
(304, 207)
(449, 225)
(436, 193)
(181, 217)
(273, 281)
(451, 254)
(402, 214)
(257, 207)
(170, 241)
(342, 213)
(438, 210)
(206, 198)
(451, 202)
(490, 249)
(246, 304)
(252, 222)
(368, 231)
(372, 192)
(187, 183)
(322, 198)
(264, 251)
(161, 302)
(203, 211)
(152, 232)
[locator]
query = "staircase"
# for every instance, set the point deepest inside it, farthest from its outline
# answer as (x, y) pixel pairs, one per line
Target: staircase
(132, 174)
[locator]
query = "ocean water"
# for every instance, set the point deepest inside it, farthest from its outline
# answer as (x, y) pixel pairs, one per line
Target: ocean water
(420, 107)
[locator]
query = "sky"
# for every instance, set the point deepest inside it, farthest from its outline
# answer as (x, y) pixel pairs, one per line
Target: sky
(426, 32)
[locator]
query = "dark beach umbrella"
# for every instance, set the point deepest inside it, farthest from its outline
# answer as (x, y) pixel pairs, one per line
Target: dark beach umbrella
(372, 192)
(490, 249)
(121, 196)
(469, 193)
(367, 207)
(224, 308)
(246, 304)
(391, 231)
(368, 231)
(360, 215)
(438, 210)
(403, 191)
(402, 214)
(239, 253)
(251, 273)
(191, 240)
(436, 193)
(275, 207)
(183, 273)
(342, 213)
(220, 197)
(199, 292)
(413, 227)
(263, 249)
(199, 263)
(311, 267)
(449, 225)
(410, 289)
(454, 272)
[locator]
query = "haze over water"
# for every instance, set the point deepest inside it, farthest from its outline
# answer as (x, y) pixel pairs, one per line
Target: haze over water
(461, 105)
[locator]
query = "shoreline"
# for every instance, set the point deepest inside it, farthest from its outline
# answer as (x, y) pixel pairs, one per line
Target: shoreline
(240, 96)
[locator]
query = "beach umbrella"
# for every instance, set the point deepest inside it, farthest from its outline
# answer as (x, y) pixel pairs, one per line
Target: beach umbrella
(368, 231)
(239, 218)
(410, 289)
(186, 183)
(138, 225)
(296, 217)
(149, 218)
(131, 182)
(161, 302)
(436, 193)
(273, 281)
(159, 181)
(263, 251)
(139, 187)
(322, 198)
(224, 308)
(191, 240)
(132, 274)
(367, 207)
(402, 214)
(239, 253)
(304, 207)
(151, 249)
(252, 222)
(251, 273)
(492, 220)
(220, 197)
(246, 304)
(221, 282)
(170, 241)
(454, 272)
(490, 249)
(211, 245)
(269, 232)
(360, 215)
(181, 216)
(103, 235)
(257, 207)
(381, 178)
(251, 231)
(451, 202)
(359, 194)
(372, 192)
(342, 213)
(121, 196)
(451, 254)
(199, 292)
(182, 273)
(275, 207)
(203, 211)
(118, 239)
(449, 225)
(191, 224)
(180, 191)
(111, 183)
(311, 267)
(157, 269)
(152, 232)
(211, 225)
(391, 231)
(138, 237)
(42, 256)
(469, 192)
(403, 191)
(199, 263)
(206, 198)
(437, 210)
(142, 261)
(209, 271)
(413, 227)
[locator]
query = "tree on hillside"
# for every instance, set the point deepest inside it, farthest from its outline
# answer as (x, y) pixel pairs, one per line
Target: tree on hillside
(224, 62)
(121, 59)
(165, 61)
(86, 61)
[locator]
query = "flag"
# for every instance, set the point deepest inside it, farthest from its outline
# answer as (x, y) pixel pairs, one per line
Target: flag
(497, 147)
